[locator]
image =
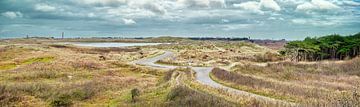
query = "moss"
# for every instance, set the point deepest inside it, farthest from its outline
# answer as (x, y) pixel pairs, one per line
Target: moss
(7, 66)
(38, 59)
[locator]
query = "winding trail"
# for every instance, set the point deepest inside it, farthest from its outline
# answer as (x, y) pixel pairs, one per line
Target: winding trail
(202, 76)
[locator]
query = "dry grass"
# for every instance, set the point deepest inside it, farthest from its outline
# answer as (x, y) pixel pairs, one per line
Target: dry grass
(185, 97)
(320, 83)
(218, 53)
(43, 75)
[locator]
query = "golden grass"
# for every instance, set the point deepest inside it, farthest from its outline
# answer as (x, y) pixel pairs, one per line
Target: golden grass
(216, 53)
(310, 84)
(39, 75)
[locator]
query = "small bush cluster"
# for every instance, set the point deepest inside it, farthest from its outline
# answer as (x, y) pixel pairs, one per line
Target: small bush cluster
(267, 57)
(182, 96)
(86, 64)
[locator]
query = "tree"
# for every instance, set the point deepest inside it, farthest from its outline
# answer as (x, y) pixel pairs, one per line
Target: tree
(327, 47)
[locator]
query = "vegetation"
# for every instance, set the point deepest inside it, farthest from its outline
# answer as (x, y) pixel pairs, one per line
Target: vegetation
(134, 93)
(41, 74)
(184, 97)
(327, 47)
(324, 83)
(219, 53)
(35, 72)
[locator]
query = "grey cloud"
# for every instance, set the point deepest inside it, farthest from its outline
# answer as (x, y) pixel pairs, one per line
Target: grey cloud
(172, 17)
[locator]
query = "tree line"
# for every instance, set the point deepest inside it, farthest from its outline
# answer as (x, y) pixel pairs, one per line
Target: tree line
(335, 47)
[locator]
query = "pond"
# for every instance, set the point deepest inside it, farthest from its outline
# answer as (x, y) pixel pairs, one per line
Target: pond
(110, 44)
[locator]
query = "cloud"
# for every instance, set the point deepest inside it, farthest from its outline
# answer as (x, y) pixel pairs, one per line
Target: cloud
(202, 3)
(352, 3)
(12, 15)
(102, 2)
(181, 17)
(91, 15)
(217, 3)
(270, 4)
(316, 22)
(44, 7)
(129, 21)
(150, 5)
(258, 7)
(317, 5)
(250, 6)
(225, 21)
(231, 27)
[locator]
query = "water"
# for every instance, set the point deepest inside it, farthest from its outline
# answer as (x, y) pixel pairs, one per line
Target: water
(109, 44)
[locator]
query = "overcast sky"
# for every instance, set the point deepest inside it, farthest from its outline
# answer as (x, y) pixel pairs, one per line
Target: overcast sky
(272, 19)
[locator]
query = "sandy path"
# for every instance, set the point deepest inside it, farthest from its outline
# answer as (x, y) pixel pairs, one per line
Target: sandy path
(202, 75)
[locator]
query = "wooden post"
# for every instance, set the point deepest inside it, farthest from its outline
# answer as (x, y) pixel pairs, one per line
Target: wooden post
(62, 35)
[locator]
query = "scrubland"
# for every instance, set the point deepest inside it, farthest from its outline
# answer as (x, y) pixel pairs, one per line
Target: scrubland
(43, 74)
(216, 53)
(321, 83)
(39, 72)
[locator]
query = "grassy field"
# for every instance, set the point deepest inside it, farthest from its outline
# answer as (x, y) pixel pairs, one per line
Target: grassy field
(36, 72)
(325, 83)
(217, 53)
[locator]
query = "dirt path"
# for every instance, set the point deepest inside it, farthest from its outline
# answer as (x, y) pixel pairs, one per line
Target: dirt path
(202, 75)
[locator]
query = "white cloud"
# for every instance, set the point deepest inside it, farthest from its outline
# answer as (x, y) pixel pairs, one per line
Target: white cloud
(128, 13)
(217, 3)
(258, 7)
(353, 3)
(225, 21)
(194, 3)
(316, 22)
(12, 15)
(152, 6)
(270, 4)
(316, 5)
(129, 21)
(91, 15)
(276, 18)
(44, 7)
(250, 6)
(102, 2)
(299, 21)
(202, 3)
(230, 27)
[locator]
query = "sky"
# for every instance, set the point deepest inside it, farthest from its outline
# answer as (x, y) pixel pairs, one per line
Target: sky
(263, 19)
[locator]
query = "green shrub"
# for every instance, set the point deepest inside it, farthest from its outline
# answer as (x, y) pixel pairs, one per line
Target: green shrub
(61, 100)
(134, 93)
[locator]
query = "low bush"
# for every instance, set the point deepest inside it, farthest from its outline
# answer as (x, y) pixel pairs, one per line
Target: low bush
(8, 97)
(66, 96)
(184, 97)
(86, 64)
(267, 57)
(168, 75)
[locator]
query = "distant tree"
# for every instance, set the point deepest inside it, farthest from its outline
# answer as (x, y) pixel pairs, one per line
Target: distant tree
(328, 47)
